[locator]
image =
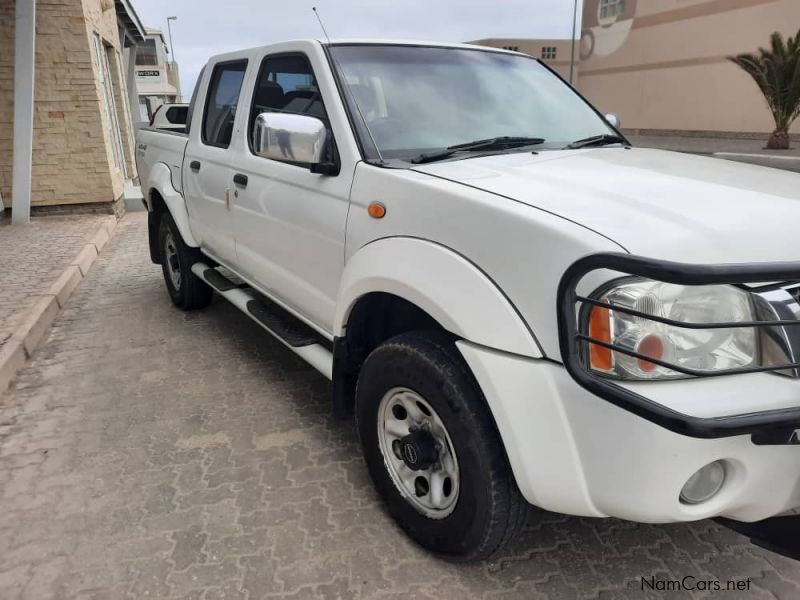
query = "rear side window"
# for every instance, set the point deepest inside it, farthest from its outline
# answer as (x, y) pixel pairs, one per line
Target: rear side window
(221, 101)
(177, 115)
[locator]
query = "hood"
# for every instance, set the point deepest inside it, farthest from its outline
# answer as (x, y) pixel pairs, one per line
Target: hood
(655, 203)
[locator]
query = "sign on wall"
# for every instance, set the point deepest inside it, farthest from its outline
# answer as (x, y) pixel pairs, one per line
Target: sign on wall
(149, 73)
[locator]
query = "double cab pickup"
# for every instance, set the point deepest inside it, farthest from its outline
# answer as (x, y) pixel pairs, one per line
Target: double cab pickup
(515, 305)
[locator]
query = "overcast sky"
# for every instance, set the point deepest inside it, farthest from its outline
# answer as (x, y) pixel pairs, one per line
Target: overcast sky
(208, 27)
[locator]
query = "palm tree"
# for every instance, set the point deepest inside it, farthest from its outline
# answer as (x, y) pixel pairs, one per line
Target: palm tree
(777, 73)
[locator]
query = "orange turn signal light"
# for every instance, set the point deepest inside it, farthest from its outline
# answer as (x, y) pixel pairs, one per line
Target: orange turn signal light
(600, 358)
(376, 210)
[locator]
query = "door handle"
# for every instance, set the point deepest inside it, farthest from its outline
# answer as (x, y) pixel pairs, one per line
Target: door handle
(194, 165)
(240, 179)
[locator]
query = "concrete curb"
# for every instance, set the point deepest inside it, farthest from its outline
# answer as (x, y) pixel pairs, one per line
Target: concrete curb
(37, 321)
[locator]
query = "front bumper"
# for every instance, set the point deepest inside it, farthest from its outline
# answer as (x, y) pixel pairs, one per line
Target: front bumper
(573, 452)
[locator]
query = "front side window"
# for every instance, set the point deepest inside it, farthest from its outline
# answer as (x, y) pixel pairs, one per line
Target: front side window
(287, 84)
(420, 99)
(223, 96)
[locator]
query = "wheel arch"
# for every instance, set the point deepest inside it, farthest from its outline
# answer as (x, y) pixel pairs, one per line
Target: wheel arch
(384, 293)
(162, 196)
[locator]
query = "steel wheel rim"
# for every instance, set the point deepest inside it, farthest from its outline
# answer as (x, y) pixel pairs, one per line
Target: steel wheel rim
(172, 262)
(431, 491)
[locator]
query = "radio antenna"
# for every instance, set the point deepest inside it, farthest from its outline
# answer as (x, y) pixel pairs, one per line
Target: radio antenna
(340, 76)
(325, 31)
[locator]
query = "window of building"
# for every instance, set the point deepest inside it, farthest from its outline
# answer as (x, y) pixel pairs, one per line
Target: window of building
(610, 10)
(549, 52)
(109, 101)
(146, 53)
(512, 48)
(223, 96)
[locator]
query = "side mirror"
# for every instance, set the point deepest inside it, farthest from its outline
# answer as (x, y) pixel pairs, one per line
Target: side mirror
(291, 138)
(613, 120)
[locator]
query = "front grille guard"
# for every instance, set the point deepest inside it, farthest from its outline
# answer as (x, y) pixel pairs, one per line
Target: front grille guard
(766, 427)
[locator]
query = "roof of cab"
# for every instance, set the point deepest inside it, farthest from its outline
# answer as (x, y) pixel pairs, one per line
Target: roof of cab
(360, 41)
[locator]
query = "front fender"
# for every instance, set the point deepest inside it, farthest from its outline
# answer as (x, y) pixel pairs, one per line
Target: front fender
(447, 286)
(161, 181)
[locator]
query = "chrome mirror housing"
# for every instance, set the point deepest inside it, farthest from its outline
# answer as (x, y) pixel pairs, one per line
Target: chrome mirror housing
(613, 120)
(291, 138)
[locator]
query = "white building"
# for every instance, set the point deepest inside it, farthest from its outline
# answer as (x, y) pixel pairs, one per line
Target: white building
(157, 77)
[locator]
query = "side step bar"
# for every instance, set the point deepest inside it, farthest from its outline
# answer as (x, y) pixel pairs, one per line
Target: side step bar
(290, 331)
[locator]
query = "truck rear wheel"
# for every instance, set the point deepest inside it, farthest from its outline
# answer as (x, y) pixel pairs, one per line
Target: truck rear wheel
(186, 290)
(432, 449)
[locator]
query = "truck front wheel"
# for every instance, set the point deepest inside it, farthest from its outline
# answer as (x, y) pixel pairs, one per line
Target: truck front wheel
(432, 449)
(186, 290)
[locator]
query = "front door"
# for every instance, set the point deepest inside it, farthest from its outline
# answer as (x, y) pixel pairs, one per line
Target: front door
(207, 167)
(289, 222)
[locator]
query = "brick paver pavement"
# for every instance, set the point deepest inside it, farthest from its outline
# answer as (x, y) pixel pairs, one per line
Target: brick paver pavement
(34, 256)
(148, 453)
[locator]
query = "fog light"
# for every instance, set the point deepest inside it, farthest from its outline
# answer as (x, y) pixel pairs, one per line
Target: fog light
(704, 484)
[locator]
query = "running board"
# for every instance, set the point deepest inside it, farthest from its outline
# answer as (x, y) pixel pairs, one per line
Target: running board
(286, 328)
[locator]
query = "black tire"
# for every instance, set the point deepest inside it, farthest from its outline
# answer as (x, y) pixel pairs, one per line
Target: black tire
(489, 508)
(191, 292)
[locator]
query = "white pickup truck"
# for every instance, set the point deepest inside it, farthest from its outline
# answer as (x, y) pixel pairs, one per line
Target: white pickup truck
(515, 303)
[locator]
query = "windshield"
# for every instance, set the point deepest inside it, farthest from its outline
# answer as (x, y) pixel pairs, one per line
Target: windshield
(422, 99)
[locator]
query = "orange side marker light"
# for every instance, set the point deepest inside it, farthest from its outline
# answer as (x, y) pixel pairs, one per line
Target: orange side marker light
(376, 210)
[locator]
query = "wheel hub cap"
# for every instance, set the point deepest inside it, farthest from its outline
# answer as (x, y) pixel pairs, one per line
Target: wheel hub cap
(173, 265)
(418, 452)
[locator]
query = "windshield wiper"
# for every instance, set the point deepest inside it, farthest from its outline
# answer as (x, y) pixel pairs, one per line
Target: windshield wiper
(604, 139)
(497, 143)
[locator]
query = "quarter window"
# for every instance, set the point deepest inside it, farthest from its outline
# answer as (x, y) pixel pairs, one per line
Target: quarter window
(223, 96)
(549, 52)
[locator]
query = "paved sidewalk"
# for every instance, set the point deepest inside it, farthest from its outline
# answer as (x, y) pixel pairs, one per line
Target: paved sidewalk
(34, 256)
(148, 453)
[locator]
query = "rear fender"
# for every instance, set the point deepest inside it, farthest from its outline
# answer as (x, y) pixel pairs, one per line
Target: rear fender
(161, 182)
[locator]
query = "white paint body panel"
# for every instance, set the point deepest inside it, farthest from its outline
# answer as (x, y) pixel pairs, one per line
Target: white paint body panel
(290, 223)
(573, 452)
(481, 244)
(394, 266)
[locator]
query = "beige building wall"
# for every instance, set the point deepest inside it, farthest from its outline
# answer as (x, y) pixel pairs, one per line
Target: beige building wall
(661, 64)
(73, 161)
(537, 49)
(6, 97)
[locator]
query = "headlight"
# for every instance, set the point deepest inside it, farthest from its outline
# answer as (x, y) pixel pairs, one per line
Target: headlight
(704, 350)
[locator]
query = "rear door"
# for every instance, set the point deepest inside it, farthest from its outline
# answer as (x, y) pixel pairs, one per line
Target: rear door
(207, 166)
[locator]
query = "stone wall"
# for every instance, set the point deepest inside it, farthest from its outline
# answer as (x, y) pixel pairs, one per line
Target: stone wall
(73, 161)
(6, 96)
